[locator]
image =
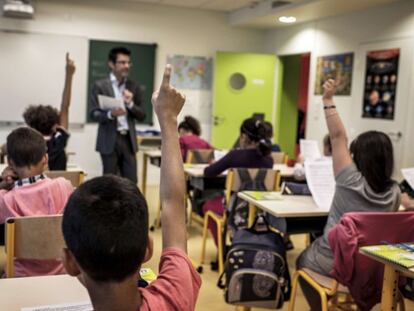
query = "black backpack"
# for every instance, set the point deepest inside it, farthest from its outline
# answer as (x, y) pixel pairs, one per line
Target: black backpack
(256, 270)
(238, 209)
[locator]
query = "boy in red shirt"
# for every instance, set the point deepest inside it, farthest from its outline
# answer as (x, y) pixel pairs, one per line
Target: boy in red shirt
(105, 226)
(26, 191)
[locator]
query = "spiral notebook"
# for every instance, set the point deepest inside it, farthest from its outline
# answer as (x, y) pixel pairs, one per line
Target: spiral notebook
(395, 253)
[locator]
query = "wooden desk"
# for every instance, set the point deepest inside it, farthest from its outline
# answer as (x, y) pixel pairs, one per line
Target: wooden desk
(285, 171)
(301, 212)
(149, 141)
(17, 293)
(289, 206)
(392, 272)
(154, 156)
(195, 175)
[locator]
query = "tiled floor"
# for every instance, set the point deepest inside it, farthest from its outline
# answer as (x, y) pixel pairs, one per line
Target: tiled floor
(211, 297)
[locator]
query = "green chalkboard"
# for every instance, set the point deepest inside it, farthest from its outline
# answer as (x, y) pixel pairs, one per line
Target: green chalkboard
(142, 70)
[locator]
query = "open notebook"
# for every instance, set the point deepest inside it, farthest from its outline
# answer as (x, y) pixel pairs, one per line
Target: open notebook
(399, 254)
(264, 195)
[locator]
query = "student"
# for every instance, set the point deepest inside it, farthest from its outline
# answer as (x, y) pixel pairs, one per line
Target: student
(363, 184)
(25, 191)
(105, 226)
(254, 152)
(190, 131)
(269, 136)
(52, 124)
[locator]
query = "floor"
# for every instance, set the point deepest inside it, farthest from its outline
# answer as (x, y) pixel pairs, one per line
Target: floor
(211, 297)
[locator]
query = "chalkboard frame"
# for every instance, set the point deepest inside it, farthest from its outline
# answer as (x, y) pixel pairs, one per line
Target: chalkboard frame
(143, 58)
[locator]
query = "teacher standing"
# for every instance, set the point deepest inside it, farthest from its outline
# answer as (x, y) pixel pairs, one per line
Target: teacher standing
(117, 142)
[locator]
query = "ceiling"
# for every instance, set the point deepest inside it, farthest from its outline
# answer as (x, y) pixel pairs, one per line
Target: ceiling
(264, 14)
(217, 5)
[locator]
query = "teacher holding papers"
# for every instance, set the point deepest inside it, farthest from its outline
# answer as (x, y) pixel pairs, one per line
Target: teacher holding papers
(116, 104)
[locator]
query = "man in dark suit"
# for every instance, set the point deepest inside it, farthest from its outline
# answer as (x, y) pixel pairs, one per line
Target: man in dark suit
(117, 142)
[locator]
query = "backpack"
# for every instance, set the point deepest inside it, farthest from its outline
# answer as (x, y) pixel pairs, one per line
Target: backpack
(238, 209)
(256, 270)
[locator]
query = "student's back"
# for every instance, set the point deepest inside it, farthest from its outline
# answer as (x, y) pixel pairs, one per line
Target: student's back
(243, 158)
(32, 194)
(363, 184)
(43, 197)
(190, 131)
(192, 142)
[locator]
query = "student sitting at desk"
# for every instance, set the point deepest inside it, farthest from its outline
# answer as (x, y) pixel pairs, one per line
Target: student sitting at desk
(105, 226)
(269, 136)
(190, 131)
(52, 124)
(363, 184)
(254, 152)
(25, 191)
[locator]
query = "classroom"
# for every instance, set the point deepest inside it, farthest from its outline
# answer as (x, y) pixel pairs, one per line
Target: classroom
(206, 155)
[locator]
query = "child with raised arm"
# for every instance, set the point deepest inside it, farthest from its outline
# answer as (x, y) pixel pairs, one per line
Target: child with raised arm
(363, 177)
(52, 124)
(105, 226)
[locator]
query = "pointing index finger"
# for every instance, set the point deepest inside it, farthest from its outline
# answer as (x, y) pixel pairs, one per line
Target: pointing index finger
(167, 76)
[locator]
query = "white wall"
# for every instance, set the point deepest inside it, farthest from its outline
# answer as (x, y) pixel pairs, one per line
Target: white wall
(346, 34)
(177, 31)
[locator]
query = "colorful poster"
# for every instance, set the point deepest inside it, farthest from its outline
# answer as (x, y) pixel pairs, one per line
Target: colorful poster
(338, 67)
(191, 73)
(381, 76)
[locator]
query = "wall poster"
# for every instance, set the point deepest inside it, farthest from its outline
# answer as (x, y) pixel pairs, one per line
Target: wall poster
(381, 78)
(338, 67)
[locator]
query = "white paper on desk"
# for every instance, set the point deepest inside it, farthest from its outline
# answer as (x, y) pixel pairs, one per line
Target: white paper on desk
(83, 306)
(321, 181)
(309, 149)
(109, 103)
(408, 174)
(218, 154)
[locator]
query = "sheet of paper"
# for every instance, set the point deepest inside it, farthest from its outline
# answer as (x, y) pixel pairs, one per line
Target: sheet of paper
(218, 154)
(408, 174)
(109, 103)
(309, 149)
(321, 181)
(83, 306)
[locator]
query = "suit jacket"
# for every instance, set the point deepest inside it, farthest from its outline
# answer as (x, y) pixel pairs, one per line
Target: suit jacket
(107, 130)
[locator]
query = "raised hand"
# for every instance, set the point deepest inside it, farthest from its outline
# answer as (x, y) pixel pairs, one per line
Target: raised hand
(329, 89)
(167, 101)
(70, 65)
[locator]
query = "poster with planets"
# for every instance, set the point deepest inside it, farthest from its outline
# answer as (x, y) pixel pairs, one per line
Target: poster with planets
(381, 79)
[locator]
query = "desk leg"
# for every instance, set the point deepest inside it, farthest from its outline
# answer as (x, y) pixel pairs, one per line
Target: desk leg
(144, 175)
(389, 289)
(240, 308)
(252, 215)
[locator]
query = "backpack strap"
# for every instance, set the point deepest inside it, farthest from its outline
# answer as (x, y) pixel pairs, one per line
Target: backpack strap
(261, 176)
(245, 178)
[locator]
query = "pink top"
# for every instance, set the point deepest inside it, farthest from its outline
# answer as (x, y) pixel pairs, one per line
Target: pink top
(176, 287)
(44, 197)
(191, 142)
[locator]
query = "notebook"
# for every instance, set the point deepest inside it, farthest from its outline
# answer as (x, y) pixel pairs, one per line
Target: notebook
(264, 195)
(396, 253)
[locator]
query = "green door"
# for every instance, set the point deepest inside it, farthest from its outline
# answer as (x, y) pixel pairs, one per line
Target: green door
(243, 85)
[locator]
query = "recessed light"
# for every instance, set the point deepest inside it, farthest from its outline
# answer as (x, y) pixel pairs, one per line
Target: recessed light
(287, 19)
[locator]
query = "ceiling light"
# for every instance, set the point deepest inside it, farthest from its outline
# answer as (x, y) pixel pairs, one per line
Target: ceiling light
(287, 19)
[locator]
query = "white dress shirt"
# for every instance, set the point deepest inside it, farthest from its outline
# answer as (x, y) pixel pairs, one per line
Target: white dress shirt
(119, 89)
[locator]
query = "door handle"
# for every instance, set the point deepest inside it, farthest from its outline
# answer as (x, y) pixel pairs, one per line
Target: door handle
(217, 120)
(395, 135)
